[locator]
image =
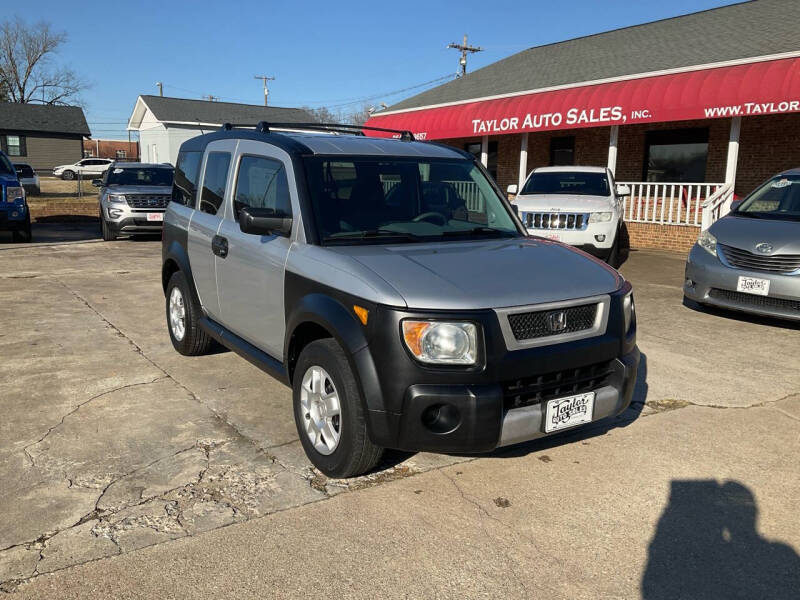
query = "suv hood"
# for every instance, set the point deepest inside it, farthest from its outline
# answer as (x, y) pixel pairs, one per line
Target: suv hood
(140, 189)
(746, 233)
(486, 273)
(563, 203)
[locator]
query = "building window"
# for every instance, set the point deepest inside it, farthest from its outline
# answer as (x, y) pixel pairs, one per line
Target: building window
(562, 151)
(676, 156)
(15, 145)
(122, 154)
(474, 148)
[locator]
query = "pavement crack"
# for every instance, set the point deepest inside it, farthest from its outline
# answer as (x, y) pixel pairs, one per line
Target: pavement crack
(76, 409)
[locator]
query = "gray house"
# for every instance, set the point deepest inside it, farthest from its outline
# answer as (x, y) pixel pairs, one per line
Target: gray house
(41, 135)
(165, 123)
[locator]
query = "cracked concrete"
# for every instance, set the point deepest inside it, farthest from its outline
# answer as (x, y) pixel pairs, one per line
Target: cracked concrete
(112, 442)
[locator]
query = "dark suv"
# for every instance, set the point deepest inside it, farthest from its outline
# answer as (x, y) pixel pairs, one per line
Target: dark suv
(392, 286)
(14, 214)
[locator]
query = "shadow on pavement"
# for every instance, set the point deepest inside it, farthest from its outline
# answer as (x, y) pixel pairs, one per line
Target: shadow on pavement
(394, 457)
(706, 546)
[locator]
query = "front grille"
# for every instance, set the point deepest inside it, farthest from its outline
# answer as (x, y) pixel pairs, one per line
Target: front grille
(542, 323)
(147, 201)
(558, 384)
(765, 302)
(537, 220)
(777, 263)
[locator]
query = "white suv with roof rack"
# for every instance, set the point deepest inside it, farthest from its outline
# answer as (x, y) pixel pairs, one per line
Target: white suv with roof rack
(580, 206)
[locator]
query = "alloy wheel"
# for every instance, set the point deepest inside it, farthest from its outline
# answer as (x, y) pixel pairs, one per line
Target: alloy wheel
(321, 410)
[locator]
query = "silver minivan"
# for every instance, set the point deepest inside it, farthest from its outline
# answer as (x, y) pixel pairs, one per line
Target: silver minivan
(394, 288)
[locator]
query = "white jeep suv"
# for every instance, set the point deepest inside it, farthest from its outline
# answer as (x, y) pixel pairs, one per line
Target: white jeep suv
(580, 206)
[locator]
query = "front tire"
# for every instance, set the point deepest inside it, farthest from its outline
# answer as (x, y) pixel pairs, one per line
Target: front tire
(23, 235)
(105, 230)
(329, 412)
(183, 316)
(68, 175)
(613, 255)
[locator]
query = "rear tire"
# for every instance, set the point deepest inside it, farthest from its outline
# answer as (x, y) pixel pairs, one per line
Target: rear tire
(325, 392)
(183, 316)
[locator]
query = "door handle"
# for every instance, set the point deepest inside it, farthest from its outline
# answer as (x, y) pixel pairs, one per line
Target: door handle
(219, 246)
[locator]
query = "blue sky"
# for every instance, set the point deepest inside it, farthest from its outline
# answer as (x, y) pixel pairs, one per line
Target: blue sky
(321, 53)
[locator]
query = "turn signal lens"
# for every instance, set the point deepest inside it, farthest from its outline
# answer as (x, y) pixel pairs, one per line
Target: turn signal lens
(362, 313)
(440, 342)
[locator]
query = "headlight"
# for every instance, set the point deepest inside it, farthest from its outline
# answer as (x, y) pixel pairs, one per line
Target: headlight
(116, 198)
(440, 342)
(708, 243)
(629, 311)
(600, 217)
(14, 193)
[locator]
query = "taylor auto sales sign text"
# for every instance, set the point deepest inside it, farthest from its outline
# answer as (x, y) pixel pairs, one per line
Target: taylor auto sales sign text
(758, 88)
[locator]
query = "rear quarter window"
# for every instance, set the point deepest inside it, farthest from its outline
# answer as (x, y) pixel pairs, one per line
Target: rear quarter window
(184, 185)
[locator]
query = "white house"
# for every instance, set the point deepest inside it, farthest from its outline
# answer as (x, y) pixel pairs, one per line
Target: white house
(165, 123)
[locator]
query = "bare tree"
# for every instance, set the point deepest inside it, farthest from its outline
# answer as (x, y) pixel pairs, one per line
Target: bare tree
(324, 114)
(27, 72)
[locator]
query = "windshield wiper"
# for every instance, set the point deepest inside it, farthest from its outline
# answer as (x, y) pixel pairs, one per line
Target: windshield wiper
(482, 229)
(372, 234)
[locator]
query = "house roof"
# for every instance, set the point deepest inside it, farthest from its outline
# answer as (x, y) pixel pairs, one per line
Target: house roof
(43, 118)
(730, 33)
(186, 111)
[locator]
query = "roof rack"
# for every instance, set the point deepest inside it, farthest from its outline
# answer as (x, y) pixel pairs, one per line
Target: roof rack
(266, 126)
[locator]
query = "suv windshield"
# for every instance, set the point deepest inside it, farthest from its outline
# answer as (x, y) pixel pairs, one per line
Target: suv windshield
(567, 182)
(779, 198)
(5, 166)
(388, 200)
(140, 176)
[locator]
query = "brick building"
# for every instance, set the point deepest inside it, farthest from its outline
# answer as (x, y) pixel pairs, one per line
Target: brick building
(688, 111)
(118, 149)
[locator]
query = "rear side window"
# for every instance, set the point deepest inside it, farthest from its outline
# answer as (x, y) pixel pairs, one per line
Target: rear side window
(262, 183)
(184, 185)
(214, 181)
(25, 171)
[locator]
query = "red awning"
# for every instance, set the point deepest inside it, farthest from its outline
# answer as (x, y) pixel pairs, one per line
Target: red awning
(768, 87)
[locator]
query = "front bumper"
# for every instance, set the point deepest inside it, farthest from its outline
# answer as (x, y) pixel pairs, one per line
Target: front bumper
(130, 220)
(710, 282)
(588, 240)
(478, 406)
(13, 217)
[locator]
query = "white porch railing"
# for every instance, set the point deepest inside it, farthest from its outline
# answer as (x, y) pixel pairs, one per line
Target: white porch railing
(468, 190)
(717, 205)
(668, 203)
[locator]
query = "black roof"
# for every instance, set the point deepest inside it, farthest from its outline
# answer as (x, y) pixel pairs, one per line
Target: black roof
(183, 110)
(738, 31)
(43, 118)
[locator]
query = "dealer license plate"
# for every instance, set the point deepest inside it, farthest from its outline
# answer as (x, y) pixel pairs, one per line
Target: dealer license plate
(753, 285)
(567, 412)
(155, 216)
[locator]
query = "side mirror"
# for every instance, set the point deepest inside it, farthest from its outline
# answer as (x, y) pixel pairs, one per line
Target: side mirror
(623, 190)
(512, 189)
(97, 182)
(263, 221)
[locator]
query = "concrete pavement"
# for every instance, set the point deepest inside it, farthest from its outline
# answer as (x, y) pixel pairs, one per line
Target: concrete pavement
(112, 442)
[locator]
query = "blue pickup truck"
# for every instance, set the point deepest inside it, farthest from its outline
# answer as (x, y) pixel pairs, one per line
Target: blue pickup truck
(14, 215)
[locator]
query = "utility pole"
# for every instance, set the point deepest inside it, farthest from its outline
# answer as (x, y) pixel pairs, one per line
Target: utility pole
(160, 88)
(264, 79)
(464, 48)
